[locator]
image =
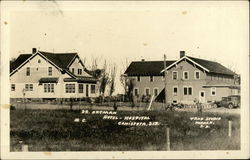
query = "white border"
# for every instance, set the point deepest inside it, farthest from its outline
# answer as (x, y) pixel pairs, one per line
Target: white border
(7, 6)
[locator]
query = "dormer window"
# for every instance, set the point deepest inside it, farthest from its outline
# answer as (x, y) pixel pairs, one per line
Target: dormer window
(80, 71)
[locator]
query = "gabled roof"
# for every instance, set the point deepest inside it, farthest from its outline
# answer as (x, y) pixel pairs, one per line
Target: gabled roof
(20, 59)
(213, 67)
(209, 66)
(60, 60)
(140, 68)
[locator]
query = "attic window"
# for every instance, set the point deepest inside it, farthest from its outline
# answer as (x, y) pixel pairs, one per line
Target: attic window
(39, 61)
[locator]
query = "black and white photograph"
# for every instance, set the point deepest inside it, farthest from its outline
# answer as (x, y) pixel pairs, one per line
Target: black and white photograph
(124, 79)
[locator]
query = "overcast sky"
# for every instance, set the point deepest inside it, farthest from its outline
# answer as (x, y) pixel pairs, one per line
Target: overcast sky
(133, 30)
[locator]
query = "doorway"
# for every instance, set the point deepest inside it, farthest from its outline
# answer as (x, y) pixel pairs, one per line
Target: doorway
(202, 98)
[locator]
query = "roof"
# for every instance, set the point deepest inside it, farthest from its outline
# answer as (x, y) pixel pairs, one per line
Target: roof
(61, 60)
(48, 80)
(20, 59)
(81, 79)
(213, 67)
(145, 68)
(141, 68)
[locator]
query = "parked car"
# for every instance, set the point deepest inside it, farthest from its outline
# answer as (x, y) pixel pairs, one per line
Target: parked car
(230, 102)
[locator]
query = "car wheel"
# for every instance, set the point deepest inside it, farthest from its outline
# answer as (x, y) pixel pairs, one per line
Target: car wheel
(215, 105)
(230, 106)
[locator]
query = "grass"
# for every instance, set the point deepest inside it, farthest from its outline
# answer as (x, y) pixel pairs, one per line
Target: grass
(55, 130)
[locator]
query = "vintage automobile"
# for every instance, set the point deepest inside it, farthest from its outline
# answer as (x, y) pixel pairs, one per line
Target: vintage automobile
(230, 102)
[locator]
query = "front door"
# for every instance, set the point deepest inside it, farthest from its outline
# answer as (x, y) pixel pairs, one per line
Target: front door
(87, 90)
(202, 98)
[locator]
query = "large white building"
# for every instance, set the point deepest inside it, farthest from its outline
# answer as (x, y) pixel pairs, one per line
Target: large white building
(43, 75)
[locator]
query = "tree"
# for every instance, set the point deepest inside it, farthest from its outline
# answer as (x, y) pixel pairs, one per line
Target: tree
(130, 83)
(112, 79)
(12, 60)
(124, 78)
(104, 79)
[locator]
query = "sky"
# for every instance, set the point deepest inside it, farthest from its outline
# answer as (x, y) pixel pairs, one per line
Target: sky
(120, 31)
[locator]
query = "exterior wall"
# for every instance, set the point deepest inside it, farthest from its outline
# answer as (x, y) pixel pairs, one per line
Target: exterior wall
(144, 83)
(38, 71)
(220, 78)
(77, 65)
(197, 85)
(180, 83)
(220, 92)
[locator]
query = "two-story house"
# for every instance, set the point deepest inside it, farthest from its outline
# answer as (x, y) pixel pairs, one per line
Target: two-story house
(44, 75)
(188, 79)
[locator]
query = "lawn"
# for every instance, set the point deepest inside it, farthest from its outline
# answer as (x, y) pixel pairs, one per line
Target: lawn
(55, 130)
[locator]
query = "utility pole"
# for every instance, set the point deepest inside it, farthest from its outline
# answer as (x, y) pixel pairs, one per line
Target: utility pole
(165, 80)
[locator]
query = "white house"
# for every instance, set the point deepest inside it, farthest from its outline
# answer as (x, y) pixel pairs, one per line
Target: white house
(43, 75)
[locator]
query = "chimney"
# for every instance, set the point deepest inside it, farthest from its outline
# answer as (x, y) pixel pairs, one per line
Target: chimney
(182, 54)
(34, 50)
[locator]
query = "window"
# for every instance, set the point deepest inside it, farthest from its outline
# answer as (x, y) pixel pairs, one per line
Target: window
(138, 78)
(156, 92)
(48, 87)
(13, 87)
(136, 91)
(197, 75)
(73, 70)
(213, 91)
(175, 91)
(45, 87)
(92, 88)
(70, 88)
(50, 71)
(31, 87)
(174, 75)
(52, 88)
(188, 90)
(28, 87)
(80, 71)
(80, 88)
(39, 61)
(28, 71)
(151, 78)
(147, 91)
(185, 75)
